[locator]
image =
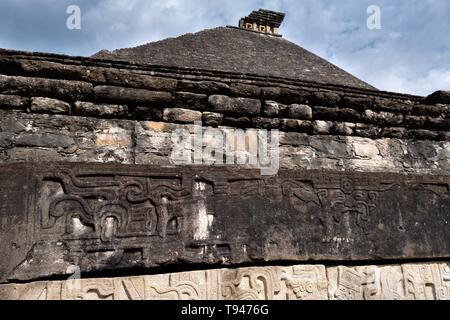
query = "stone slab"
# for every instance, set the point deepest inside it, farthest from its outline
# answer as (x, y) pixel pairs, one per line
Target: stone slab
(104, 217)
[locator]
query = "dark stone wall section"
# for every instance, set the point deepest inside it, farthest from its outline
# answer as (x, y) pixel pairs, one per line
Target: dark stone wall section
(98, 88)
(113, 217)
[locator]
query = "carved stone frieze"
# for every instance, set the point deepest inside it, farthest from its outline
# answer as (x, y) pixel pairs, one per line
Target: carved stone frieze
(101, 217)
(301, 282)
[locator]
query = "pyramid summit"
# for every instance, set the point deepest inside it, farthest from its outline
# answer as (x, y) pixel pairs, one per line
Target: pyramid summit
(250, 49)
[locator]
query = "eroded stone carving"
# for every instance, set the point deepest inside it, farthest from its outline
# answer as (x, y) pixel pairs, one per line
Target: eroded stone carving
(105, 217)
(366, 283)
(300, 282)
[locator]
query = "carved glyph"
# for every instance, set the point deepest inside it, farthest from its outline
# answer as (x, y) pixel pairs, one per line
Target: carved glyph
(301, 282)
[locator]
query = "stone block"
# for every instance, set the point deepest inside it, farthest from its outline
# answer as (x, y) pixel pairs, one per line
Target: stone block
(324, 98)
(125, 78)
(51, 88)
(238, 122)
(245, 90)
(343, 128)
(291, 96)
(48, 140)
(13, 102)
(186, 100)
(203, 87)
(266, 123)
(366, 148)
(322, 127)
(438, 97)
(100, 110)
(293, 125)
(430, 110)
(55, 70)
(133, 96)
(47, 105)
(226, 104)
(181, 115)
(147, 113)
(271, 93)
(273, 109)
(212, 119)
(190, 226)
(299, 111)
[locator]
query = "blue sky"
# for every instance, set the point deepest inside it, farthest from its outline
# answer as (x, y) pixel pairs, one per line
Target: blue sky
(411, 52)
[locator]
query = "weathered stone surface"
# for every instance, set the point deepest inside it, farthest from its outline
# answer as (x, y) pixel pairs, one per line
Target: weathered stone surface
(245, 90)
(186, 100)
(357, 103)
(271, 93)
(383, 104)
(294, 139)
(423, 135)
(151, 216)
(6, 139)
(324, 98)
(302, 282)
(54, 70)
(299, 111)
(290, 96)
(430, 111)
(293, 125)
(130, 95)
(203, 87)
(147, 113)
(425, 281)
(366, 148)
(438, 97)
(136, 80)
(212, 119)
(383, 118)
(266, 123)
(395, 132)
(343, 129)
(366, 283)
(13, 102)
(414, 121)
(238, 122)
(59, 89)
(47, 105)
(274, 109)
(401, 282)
(43, 140)
(367, 130)
(226, 104)
(181, 115)
(322, 127)
(100, 110)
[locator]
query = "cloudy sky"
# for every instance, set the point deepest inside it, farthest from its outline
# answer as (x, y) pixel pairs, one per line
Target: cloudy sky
(411, 52)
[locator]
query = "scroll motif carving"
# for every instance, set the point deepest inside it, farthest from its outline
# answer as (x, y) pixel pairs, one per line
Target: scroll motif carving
(250, 284)
(109, 216)
(427, 282)
(300, 282)
(306, 283)
(366, 283)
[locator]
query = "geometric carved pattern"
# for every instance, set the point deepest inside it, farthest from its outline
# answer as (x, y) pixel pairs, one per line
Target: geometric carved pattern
(302, 282)
(102, 217)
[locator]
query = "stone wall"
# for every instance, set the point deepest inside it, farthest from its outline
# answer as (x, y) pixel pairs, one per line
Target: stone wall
(80, 111)
(300, 282)
(84, 110)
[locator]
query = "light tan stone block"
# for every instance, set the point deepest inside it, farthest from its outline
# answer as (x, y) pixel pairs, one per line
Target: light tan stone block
(365, 283)
(427, 281)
